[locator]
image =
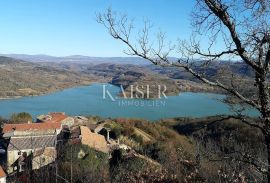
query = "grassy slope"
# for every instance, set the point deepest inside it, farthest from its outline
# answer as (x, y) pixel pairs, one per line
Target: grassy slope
(219, 136)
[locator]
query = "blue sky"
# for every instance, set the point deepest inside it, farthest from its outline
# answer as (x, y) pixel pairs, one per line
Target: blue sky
(69, 27)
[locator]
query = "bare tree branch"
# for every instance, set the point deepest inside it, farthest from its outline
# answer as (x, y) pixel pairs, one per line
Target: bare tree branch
(244, 29)
(220, 11)
(162, 59)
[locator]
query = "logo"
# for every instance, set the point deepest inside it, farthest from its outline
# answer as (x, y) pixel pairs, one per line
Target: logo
(137, 95)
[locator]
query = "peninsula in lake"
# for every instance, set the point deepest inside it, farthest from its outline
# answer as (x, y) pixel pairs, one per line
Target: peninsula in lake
(30, 75)
(135, 91)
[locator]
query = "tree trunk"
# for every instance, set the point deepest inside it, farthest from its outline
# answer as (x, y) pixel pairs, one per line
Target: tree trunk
(267, 142)
(265, 114)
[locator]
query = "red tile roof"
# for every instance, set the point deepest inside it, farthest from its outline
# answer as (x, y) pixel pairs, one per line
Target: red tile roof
(31, 126)
(2, 173)
(56, 117)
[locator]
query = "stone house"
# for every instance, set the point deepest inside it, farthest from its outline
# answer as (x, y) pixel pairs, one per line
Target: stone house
(83, 135)
(56, 117)
(93, 140)
(43, 157)
(28, 129)
(30, 152)
(30, 143)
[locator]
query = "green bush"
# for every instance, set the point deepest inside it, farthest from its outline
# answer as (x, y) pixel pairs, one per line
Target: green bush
(22, 117)
(116, 129)
(140, 170)
(86, 164)
(92, 160)
(137, 138)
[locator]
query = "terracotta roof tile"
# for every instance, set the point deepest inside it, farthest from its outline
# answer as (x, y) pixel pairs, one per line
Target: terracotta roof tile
(56, 117)
(31, 126)
(2, 173)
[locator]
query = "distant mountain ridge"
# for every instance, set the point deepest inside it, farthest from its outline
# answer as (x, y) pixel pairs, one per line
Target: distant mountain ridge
(79, 59)
(109, 69)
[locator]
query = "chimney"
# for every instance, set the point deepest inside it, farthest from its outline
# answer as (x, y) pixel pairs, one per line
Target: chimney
(108, 134)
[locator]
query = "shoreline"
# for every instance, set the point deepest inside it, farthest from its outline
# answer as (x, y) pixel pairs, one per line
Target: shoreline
(154, 112)
(46, 93)
(10, 97)
(59, 90)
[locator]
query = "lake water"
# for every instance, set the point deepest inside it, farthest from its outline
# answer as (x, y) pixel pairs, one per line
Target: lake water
(92, 100)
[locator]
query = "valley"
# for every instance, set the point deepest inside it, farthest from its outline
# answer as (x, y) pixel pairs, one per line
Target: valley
(21, 78)
(36, 76)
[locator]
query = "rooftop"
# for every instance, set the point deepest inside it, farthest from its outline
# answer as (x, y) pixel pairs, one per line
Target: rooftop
(53, 117)
(30, 126)
(31, 142)
(2, 173)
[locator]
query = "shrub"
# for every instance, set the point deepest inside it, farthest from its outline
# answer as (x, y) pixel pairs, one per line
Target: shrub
(137, 138)
(22, 117)
(92, 159)
(86, 164)
(136, 169)
(116, 129)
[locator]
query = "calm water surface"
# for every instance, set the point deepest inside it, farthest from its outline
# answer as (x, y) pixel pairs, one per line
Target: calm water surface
(89, 100)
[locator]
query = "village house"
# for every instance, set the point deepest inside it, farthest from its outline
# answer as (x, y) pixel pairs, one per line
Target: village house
(28, 129)
(30, 152)
(56, 117)
(31, 145)
(83, 135)
(93, 140)
(3, 175)
(43, 157)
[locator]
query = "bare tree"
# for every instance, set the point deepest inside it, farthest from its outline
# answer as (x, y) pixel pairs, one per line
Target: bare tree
(241, 26)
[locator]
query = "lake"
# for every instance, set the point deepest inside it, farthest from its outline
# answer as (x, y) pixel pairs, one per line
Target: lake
(94, 100)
